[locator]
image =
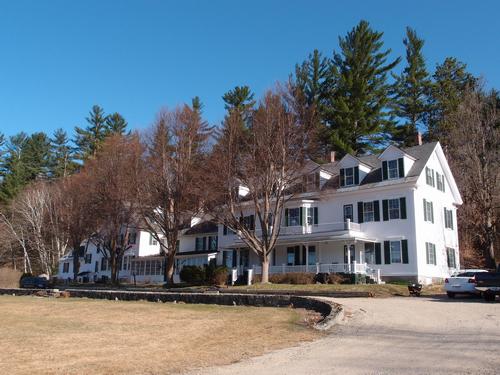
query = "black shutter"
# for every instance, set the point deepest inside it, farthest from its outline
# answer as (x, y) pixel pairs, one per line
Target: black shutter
(224, 230)
(451, 219)
(286, 217)
(404, 249)
(204, 243)
(432, 213)
(376, 210)
(304, 250)
(402, 207)
(252, 222)
(425, 210)
(356, 175)
(342, 177)
(378, 253)
(301, 222)
(235, 259)
(445, 217)
(444, 185)
(297, 255)
(401, 167)
(387, 252)
(360, 212)
(346, 260)
(315, 216)
(384, 170)
(385, 209)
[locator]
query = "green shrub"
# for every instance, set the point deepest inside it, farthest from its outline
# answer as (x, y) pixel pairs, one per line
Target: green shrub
(193, 274)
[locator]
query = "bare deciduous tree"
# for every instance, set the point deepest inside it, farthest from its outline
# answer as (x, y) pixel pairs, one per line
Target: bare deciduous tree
(169, 195)
(264, 158)
(475, 159)
(113, 177)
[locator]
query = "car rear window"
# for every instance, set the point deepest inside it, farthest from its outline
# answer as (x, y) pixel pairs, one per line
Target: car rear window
(467, 274)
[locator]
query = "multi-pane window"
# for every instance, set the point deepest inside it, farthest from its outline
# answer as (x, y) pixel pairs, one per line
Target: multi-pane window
(450, 257)
(152, 240)
(104, 264)
(448, 218)
(348, 212)
(132, 238)
(370, 252)
(66, 267)
(394, 211)
(429, 176)
(430, 251)
(440, 182)
(368, 211)
(312, 216)
(396, 252)
(428, 211)
(349, 176)
(200, 243)
(249, 222)
(392, 168)
(88, 258)
(212, 243)
(311, 260)
(294, 216)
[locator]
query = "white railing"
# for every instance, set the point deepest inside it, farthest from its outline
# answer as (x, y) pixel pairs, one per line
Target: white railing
(316, 268)
(343, 226)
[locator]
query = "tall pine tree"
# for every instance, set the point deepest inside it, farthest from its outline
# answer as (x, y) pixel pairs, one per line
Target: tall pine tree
(411, 91)
(451, 80)
(62, 164)
(90, 139)
(357, 112)
(116, 124)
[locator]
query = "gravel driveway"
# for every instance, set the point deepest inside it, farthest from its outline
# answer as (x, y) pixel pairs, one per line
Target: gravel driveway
(394, 336)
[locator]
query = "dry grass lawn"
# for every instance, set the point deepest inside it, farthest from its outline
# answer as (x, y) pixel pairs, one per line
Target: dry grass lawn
(75, 336)
(384, 290)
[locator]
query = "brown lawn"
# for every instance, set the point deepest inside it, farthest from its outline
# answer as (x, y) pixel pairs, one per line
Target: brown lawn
(75, 336)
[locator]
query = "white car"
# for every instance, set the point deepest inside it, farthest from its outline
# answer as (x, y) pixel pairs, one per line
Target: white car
(463, 281)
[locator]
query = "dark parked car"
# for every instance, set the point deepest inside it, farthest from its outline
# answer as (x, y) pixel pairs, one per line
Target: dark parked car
(488, 283)
(34, 282)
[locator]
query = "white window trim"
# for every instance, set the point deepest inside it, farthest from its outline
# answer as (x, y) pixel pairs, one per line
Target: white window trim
(398, 210)
(400, 252)
(389, 169)
(365, 211)
(352, 176)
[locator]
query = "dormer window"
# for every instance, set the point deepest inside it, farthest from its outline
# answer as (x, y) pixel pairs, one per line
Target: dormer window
(349, 176)
(393, 169)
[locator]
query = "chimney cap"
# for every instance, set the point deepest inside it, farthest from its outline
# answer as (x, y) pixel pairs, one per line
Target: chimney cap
(332, 156)
(419, 138)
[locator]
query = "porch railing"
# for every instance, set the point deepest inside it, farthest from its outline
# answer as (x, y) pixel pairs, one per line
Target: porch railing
(316, 268)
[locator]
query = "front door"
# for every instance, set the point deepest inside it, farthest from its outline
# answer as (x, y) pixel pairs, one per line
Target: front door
(353, 257)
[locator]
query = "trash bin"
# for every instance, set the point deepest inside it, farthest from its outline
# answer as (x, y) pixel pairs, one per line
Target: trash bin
(248, 278)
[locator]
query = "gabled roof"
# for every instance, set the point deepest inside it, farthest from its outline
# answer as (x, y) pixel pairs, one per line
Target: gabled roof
(203, 227)
(359, 160)
(392, 147)
(420, 154)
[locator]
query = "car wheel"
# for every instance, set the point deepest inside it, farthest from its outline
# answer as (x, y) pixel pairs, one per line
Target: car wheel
(450, 294)
(489, 297)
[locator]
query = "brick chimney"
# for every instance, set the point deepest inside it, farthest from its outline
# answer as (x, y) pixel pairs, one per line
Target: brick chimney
(419, 138)
(332, 156)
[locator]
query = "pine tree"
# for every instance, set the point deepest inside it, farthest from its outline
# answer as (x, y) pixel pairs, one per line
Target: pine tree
(357, 113)
(36, 156)
(311, 86)
(90, 139)
(3, 154)
(62, 163)
(411, 91)
(451, 81)
(116, 124)
(239, 99)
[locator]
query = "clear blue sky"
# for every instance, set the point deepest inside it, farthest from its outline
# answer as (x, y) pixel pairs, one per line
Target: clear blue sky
(58, 58)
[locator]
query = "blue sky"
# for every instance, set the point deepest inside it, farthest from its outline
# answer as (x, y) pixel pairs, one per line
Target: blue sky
(58, 58)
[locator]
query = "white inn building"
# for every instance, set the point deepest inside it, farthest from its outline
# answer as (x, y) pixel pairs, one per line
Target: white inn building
(391, 216)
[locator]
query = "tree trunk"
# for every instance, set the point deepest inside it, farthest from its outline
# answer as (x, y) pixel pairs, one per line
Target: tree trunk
(265, 270)
(114, 269)
(169, 268)
(76, 262)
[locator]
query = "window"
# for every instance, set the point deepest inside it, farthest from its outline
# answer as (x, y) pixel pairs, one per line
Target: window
(370, 252)
(200, 243)
(294, 216)
(311, 182)
(349, 176)
(348, 212)
(290, 256)
(312, 216)
(104, 264)
(429, 176)
(66, 267)
(349, 254)
(248, 222)
(392, 167)
(96, 266)
(396, 252)
(394, 212)
(152, 240)
(368, 211)
(428, 211)
(212, 243)
(88, 258)
(440, 182)
(311, 260)
(448, 218)
(430, 251)
(132, 238)
(450, 257)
